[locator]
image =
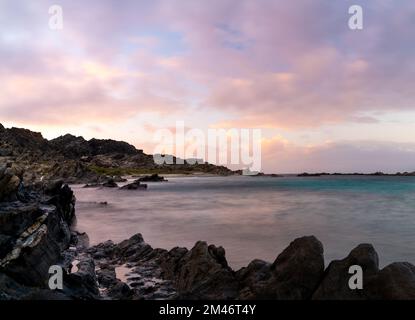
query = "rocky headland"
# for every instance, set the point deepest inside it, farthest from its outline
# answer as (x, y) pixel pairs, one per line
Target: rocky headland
(36, 232)
(76, 160)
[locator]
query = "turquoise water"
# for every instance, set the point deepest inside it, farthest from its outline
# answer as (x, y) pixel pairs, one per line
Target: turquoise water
(257, 217)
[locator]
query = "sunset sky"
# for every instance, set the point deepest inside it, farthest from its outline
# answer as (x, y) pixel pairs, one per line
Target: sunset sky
(326, 98)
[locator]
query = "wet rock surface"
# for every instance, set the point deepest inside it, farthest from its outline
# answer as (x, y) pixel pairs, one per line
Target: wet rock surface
(34, 233)
(136, 185)
(152, 178)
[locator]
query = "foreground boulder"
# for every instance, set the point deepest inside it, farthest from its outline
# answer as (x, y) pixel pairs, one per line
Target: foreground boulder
(394, 282)
(335, 284)
(34, 235)
(203, 273)
(296, 272)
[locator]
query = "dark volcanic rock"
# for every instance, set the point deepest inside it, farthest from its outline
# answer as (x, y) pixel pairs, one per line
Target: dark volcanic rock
(252, 278)
(39, 232)
(295, 273)
(9, 183)
(76, 160)
(120, 291)
(77, 147)
(12, 290)
(394, 282)
(204, 274)
(335, 284)
(134, 186)
(153, 178)
(110, 183)
(107, 276)
(82, 284)
(34, 232)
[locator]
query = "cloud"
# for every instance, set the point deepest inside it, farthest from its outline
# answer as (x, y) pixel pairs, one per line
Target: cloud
(280, 155)
(229, 63)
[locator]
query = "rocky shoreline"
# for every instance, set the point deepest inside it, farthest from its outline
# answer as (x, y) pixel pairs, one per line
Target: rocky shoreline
(35, 233)
(78, 161)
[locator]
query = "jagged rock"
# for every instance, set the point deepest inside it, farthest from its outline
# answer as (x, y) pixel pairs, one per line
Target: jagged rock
(80, 240)
(296, 272)
(120, 291)
(106, 276)
(82, 284)
(251, 277)
(9, 183)
(76, 147)
(12, 290)
(134, 248)
(204, 274)
(16, 217)
(335, 284)
(134, 186)
(53, 187)
(152, 178)
(110, 183)
(106, 250)
(170, 261)
(92, 185)
(394, 282)
(34, 231)
(76, 160)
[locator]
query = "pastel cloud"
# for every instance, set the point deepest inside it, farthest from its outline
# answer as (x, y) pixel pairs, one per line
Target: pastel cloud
(282, 156)
(235, 63)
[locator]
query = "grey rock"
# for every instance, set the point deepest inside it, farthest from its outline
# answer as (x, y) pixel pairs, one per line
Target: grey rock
(335, 284)
(136, 185)
(296, 272)
(394, 282)
(204, 274)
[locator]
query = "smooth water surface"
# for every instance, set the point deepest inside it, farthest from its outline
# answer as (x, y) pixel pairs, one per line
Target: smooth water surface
(257, 217)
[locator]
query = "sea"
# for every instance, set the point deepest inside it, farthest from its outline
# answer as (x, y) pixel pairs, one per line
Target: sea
(258, 217)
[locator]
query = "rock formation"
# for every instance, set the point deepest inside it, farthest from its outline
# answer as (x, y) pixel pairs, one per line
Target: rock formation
(76, 160)
(34, 235)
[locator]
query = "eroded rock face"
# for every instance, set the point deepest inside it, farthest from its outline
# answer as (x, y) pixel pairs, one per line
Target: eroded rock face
(10, 181)
(335, 284)
(253, 278)
(394, 282)
(204, 273)
(296, 272)
(34, 230)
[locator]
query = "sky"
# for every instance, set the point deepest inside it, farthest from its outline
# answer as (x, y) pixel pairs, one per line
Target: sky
(326, 98)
